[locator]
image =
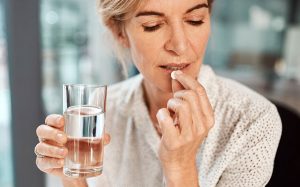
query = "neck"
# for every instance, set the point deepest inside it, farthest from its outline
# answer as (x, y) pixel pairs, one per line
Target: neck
(155, 99)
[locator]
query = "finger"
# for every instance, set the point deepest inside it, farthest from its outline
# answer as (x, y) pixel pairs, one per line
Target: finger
(168, 130)
(191, 97)
(183, 111)
(186, 80)
(51, 150)
(55, 120)
(49, 133)
(176, 86)
(106, 139)
(192, 84)
(47, 163)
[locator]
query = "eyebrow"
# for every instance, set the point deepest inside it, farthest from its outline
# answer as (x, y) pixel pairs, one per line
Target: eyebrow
(149, 13)
(199, 6)
(154, 13)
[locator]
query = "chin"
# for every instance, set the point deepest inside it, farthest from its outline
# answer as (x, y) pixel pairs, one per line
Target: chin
(165, 85)
(161, 83)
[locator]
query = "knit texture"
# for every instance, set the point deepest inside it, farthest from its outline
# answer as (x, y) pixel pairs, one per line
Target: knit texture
(238, 151)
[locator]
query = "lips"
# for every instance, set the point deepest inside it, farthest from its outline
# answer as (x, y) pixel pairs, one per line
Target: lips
(174, 67)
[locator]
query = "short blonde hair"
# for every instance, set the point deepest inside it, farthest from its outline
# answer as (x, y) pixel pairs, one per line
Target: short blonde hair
(117, 10)
(114, 13)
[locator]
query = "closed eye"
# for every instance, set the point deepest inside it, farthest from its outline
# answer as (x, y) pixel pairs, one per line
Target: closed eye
(152, 28)
(156, 27)
(195, 23)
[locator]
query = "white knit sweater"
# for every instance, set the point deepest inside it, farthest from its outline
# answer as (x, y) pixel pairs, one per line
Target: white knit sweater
(239, 149)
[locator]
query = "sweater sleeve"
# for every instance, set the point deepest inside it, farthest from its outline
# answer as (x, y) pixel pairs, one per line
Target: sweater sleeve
(253, 165)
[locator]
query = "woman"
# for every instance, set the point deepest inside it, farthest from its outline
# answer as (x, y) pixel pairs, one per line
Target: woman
(225, 134)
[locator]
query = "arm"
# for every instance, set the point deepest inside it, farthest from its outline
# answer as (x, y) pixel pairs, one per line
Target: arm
(189, 177)
(194, 118)
(254, 165)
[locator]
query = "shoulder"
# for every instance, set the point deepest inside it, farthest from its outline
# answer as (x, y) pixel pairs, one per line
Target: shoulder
(238, 108)
(227, 94)
(250, 129)
(243, 100)
(246, 133)
(124, 89)
(121, 95)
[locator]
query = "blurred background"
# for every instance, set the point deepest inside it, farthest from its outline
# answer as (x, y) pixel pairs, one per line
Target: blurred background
(46, 43)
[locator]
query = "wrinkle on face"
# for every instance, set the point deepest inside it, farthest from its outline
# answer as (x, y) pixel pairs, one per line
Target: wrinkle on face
(176, 41)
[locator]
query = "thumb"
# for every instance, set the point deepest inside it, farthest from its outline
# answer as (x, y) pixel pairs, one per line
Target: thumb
(106, 139)
(166, 123)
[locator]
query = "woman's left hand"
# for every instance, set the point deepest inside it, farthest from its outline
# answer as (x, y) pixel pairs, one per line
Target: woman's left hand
(180, 143)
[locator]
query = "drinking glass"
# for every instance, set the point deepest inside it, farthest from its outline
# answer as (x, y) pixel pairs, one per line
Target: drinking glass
(84, 114)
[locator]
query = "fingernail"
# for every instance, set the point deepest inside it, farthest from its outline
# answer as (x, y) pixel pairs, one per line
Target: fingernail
(60, 137)
(61, 162)
(57, 120)
(160, 116)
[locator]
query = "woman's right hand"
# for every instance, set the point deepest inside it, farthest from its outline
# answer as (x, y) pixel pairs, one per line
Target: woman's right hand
(51, 150)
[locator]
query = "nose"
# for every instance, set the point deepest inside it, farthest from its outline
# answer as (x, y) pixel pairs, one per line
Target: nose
(178, 41)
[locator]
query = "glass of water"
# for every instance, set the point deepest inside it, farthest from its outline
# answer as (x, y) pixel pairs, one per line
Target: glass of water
(84, 114)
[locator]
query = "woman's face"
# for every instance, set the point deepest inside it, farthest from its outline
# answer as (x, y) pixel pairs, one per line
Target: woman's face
(168, 35)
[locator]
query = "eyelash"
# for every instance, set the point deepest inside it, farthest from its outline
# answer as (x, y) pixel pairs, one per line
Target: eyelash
(151, 29)
(195, 23)
(156, 27)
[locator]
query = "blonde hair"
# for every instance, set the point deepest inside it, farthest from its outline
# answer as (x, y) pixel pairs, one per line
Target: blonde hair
(114, 13)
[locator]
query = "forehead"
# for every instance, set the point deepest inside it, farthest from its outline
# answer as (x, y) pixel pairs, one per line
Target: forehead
(169, 6)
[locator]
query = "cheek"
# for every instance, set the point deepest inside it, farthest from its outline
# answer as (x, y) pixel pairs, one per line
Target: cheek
(143, 50)
(199, 45)
(198, 48)
(139, 55)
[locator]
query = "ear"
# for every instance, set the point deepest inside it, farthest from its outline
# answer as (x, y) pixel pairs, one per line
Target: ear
(118, 32)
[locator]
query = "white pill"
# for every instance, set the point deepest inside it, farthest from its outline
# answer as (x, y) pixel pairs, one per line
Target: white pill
(173, 75)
